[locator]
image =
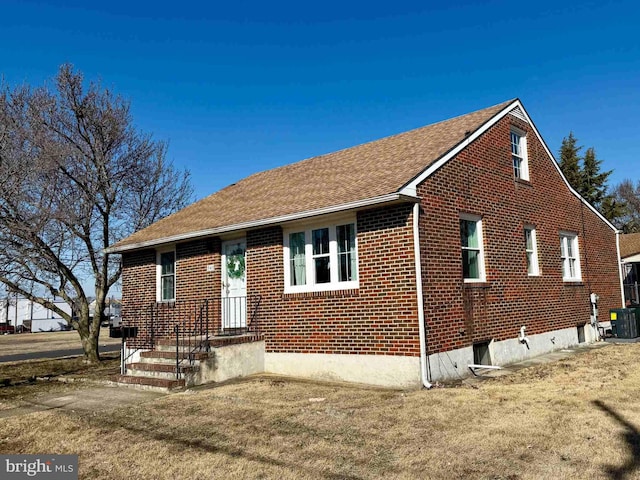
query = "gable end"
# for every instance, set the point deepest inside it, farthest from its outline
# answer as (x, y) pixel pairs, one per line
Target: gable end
(518, 113)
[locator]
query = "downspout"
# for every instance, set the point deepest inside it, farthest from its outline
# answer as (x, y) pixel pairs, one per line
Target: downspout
(421, 323)
(620, 268)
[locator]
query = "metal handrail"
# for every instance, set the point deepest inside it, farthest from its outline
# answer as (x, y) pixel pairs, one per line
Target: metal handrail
(191, 323)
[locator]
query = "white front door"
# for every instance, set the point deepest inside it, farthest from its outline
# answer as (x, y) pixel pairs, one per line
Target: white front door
(234, 284)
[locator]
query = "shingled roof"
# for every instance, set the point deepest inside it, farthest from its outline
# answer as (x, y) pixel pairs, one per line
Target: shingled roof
(359, 174)
(629, 244)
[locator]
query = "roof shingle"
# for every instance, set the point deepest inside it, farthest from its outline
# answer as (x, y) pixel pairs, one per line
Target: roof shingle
(362, 172)
(629, 244)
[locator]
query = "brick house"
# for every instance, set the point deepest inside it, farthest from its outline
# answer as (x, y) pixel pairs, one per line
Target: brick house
(630, 259)
(397, 262)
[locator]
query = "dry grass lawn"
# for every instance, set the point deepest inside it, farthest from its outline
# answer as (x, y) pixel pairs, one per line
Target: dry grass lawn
(42, 341)
(577, 418)
(22, 381)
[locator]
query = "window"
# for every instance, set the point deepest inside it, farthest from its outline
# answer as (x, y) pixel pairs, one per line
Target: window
(472, 252)
(519, 155)
(297, 262)
(346, 252)
(321, 259)
(570, 257)
(166, 283)
(531, 248)
(321, 255)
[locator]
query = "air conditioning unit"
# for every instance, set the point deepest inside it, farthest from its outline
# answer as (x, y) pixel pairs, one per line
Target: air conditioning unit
(624, 322)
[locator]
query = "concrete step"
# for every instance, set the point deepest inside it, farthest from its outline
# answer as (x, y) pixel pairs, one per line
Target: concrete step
(150, 383)
(169, 358)
(186, 344)
(158, 370)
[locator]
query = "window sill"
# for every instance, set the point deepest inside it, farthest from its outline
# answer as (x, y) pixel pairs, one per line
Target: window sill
(573, 283)
(472, 285)
(352, 292)
(522, 181)
(322, 287)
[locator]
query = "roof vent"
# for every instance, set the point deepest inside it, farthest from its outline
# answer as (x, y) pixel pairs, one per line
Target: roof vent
(518, 113)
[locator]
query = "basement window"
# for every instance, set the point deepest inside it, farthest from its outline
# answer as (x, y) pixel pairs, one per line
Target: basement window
(481, 355)
(581, 338)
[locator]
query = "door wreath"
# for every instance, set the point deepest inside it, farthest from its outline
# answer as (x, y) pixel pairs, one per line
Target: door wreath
(235, 264)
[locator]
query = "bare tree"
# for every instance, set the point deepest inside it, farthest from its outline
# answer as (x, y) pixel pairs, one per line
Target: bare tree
(627, 195)
(75, 177)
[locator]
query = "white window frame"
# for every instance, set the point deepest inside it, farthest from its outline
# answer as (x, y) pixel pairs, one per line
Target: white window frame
(521, 155)
(481, 266)
(570, 239)
(159, 254)
(310, 285)
(531, 254)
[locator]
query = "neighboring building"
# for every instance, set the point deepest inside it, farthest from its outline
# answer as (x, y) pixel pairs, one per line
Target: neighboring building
(113, 307)
(630, 258)
(25, 315)
(397, 262)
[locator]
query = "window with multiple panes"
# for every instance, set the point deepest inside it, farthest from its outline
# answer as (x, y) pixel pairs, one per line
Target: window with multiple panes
(166, 276)
(570, 256)
(519, 155)
(531, 248)
(323, 258)
(472, 250)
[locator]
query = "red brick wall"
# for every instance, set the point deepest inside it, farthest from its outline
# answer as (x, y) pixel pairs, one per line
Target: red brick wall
(479, 180)
(378, 318)
(193, 284)
(138, 279)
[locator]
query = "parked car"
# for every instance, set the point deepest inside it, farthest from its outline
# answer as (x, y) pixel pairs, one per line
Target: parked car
(6, 329)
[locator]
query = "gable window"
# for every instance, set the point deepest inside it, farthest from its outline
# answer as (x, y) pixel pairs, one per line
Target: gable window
(166, 276)
(531, 248)
(519, 155)
(570, 257)
(472, 251)
(321, 259)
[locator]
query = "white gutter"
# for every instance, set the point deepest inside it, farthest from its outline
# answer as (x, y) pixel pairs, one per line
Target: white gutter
(389, 198)
(421, 323)
(620, 267)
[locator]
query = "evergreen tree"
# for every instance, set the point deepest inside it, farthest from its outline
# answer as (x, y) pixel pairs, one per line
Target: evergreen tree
(570, 161)
(584, 175)
(593, 186)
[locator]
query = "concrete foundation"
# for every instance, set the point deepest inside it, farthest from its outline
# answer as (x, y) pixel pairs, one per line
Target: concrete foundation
(231, 361)
(454, 364)
(379, 370)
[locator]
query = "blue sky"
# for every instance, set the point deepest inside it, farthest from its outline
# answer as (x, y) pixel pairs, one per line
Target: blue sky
(240, 87)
